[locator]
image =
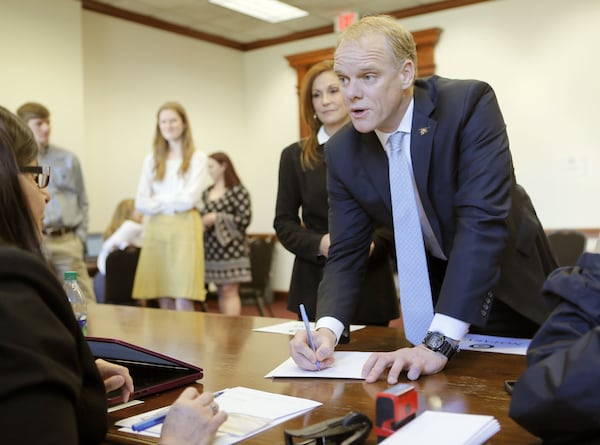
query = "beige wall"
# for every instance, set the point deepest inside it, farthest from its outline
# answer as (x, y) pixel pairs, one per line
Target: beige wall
(103, 79)
(41, 60)
(130, 70)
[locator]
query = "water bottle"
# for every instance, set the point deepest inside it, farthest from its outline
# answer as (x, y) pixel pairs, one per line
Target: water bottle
(77, 299)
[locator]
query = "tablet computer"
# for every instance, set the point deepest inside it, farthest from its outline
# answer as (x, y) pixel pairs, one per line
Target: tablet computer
(151, 371)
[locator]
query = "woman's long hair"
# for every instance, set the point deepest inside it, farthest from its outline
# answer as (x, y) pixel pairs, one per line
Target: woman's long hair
(230, 176)
(17, 148)
(161, 146)
(122, 213)
(310, 157)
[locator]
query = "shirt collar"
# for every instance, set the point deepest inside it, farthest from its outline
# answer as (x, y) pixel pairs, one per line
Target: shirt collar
(322, 136)
(404, 127)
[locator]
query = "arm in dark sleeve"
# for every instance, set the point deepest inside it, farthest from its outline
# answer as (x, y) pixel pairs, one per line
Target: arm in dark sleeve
(383, 242)
(351, 231)
(292, 234)
(481, 203)
(41, 415)
(558, 396)
(50, 389)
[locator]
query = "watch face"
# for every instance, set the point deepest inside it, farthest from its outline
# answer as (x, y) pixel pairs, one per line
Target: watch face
(435, 340)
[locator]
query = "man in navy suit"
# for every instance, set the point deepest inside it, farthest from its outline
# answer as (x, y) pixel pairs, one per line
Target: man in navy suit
(487, 254)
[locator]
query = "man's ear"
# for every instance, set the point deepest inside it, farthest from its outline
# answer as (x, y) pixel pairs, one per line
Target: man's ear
(407, 73)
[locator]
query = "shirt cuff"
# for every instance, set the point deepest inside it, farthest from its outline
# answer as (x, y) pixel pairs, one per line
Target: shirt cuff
(333, 324)
(450, 327)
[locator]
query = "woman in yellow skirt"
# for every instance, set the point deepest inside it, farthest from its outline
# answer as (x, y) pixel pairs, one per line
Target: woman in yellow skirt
(171, 263)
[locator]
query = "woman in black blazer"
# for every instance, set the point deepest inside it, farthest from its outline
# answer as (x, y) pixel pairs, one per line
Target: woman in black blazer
(302, 185)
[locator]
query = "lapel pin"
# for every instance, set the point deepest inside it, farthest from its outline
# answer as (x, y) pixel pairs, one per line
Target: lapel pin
(423, 131)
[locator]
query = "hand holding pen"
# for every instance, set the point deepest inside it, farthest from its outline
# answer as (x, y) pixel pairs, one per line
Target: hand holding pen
(308, 334)
(307, 344)
(193, 418)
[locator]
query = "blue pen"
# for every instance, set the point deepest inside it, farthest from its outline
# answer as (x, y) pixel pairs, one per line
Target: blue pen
(155, 419)
(159, 417)
(310, 340)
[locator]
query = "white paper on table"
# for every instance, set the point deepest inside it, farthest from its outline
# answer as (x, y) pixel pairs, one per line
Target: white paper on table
(490, 343)
(442, 428)
(290, 327)
(348, 365)
(124, 405)
(241, 405)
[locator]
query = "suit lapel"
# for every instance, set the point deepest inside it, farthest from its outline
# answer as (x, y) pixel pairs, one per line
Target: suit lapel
(375, 163)
(421, 146)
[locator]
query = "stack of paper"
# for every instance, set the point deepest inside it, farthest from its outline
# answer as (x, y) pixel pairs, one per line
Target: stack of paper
(443, 428)
(241, 404)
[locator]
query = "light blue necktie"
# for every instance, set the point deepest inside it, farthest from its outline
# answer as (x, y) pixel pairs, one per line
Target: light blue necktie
(413, 276)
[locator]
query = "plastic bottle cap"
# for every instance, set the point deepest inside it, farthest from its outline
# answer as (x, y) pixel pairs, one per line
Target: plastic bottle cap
(71, 275)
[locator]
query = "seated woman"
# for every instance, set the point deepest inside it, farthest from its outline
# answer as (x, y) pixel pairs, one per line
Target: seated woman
(125, 229)
(51, 390)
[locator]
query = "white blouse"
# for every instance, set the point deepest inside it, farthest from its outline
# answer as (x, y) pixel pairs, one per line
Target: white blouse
(176, 192)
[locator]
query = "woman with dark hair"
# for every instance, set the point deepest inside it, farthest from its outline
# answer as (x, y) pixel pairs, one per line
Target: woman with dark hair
(51, 390)
(171, 264)
(226, 215)
(17, 147)
(302, 186)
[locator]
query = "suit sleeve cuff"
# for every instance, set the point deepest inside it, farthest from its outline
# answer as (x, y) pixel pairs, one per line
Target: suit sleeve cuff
(451, 327)
(333, 325)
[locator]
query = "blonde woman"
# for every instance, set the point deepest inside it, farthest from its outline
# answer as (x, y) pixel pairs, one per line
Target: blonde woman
(171, 264)
(125, 229)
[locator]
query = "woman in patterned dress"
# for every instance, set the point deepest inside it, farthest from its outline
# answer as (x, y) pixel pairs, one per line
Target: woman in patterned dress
(226, 215)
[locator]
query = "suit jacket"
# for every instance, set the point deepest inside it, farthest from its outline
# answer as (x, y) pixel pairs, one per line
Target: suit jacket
(50, 388)
(485, 224)
(558, 396)
(307, 190)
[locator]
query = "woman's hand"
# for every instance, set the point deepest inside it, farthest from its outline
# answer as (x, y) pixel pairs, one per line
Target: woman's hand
(115, 377)
(193, 419)
(209, 219)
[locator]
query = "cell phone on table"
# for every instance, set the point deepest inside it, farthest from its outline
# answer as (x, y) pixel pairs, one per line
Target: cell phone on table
(508, 385)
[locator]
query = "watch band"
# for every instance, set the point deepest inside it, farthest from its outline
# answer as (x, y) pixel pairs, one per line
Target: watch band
(438, 342)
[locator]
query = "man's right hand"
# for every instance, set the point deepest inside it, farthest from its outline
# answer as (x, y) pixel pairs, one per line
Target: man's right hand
(300, 350)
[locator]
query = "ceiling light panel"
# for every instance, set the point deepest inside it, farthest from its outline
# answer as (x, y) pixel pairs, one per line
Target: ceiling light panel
(271, 11)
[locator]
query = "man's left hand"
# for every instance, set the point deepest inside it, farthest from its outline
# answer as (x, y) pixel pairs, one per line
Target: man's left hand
(417, 361)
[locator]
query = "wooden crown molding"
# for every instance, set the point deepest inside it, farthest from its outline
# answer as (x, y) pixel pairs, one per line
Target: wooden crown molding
(102, 8)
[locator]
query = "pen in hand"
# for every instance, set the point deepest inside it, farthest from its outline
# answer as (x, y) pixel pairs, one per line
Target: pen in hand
(310, 340)
(159, 417)
(155, 419)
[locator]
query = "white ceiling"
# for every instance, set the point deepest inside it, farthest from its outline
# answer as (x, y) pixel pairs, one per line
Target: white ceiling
(200, 15)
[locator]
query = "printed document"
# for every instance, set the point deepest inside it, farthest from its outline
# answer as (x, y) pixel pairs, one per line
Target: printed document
(242, 405)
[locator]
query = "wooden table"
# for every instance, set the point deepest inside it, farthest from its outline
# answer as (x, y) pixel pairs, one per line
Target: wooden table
(234, 355)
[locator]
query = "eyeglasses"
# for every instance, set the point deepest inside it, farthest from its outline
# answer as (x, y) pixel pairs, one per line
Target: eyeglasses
(41, 174)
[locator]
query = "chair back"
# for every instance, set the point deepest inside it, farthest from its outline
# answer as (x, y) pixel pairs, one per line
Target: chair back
(261, 257)
(120, 273)
(567, 246)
